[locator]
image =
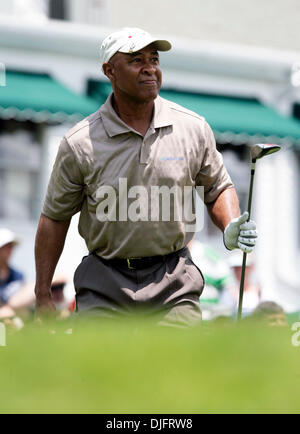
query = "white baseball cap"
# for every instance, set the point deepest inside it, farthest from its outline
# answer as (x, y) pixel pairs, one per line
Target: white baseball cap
(129, 40)
(7, 237)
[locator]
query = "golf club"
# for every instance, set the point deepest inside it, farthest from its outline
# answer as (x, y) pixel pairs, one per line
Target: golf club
(257, 152)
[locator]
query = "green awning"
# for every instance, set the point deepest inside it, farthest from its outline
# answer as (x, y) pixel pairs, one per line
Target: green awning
(40, 98)
(234, 120)
(239, 117)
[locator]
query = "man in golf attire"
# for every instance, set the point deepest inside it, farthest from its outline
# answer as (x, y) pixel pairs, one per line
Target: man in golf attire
(144, 141)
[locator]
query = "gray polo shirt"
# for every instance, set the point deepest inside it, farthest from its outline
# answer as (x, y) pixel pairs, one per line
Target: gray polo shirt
(111, 174)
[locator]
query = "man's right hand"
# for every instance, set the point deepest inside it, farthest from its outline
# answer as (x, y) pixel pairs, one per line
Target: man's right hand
(49, 243)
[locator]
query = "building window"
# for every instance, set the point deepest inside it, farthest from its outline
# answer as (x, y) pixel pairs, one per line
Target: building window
(31, 10)
(94, 12)
(57, 9)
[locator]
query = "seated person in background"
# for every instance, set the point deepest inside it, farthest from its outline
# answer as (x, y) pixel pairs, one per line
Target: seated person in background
(252, 288)
(271, 313)
(64, 307)
(22, 303)
(11, 280)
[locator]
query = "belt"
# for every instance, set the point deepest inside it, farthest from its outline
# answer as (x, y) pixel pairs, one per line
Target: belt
(138, 263)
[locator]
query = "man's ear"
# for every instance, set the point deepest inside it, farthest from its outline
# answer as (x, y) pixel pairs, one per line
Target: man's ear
(108, 70)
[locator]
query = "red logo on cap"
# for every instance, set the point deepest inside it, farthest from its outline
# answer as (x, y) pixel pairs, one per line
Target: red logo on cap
(129, 37)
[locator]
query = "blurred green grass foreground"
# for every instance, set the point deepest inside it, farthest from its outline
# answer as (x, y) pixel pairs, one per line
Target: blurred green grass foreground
(135, 368)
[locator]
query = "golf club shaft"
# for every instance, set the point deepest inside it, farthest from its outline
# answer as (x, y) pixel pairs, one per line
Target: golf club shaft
(245, 254)
(242, 286)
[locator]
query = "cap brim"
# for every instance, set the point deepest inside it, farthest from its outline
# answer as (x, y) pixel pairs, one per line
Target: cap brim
(160, 45)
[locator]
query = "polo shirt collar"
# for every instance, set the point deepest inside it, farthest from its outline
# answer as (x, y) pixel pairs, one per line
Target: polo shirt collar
(162, 114)
(114, 125)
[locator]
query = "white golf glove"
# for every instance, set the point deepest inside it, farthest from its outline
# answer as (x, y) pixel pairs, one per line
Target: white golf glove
(240, 234)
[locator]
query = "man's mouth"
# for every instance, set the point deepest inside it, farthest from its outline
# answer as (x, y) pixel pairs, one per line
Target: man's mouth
(149, 82)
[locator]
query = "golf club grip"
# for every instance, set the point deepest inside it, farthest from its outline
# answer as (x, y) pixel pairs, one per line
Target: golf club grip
(251, 188)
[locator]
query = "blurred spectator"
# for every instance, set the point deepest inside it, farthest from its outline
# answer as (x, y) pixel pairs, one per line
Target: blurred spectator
(63, 306)
(217, 275)
(11, 280)
(22, 304)
(252, 288)
(270, 313)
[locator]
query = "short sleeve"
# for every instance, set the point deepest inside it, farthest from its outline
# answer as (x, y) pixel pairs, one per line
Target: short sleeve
(65, 192)
(213, 175)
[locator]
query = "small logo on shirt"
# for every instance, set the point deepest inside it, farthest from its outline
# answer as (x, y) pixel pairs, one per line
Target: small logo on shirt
(172, 159)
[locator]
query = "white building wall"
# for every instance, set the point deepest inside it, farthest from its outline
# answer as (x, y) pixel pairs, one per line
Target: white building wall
(266, 23)
(93, 12)
(275, 211)
(33, 10)
(269, 23)
(6, 7)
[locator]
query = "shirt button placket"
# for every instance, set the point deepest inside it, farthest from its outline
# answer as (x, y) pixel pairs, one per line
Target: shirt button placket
(144, 153)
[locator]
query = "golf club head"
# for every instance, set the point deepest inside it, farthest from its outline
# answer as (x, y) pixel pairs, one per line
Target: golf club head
(261, 150)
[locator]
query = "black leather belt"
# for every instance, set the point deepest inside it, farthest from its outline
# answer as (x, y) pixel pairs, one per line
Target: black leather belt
(138, 263)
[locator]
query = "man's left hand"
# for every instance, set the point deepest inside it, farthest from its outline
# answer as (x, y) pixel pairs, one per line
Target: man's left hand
(241, 234)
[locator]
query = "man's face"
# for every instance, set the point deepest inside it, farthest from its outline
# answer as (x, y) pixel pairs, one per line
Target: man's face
(136, 76)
